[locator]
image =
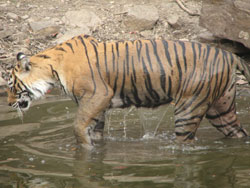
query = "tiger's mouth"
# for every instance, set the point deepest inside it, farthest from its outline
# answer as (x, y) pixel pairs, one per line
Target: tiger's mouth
(23, 102)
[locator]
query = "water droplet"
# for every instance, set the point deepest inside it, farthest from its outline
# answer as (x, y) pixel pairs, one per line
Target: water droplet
(31, 159)
(42, 161)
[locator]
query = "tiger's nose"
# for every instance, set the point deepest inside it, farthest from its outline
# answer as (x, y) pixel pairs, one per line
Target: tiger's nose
(23, 104)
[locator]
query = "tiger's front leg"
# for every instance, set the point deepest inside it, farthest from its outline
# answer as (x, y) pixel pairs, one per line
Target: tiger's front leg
(90, 118)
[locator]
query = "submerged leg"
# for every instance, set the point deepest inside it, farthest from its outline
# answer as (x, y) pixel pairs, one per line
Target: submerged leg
(187, 120)
(222, 115)
(90, 119)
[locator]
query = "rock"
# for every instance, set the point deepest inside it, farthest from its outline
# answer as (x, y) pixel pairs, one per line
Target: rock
(39, 25)
(19, 38)
(146, 34)
(173, 20)
(229, 20)
(82, 18)
(13, 16)
(72, 33)
(242, 5)
(24, 17)
(6, 33)
(207, 37)
(50, 31)
(2, 51)
(141, 17)
(2, 82)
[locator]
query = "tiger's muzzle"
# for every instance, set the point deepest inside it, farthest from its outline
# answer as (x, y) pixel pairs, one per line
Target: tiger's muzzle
(22, 102)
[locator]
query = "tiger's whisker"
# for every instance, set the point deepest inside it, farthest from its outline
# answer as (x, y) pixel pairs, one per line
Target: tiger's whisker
(20, 113)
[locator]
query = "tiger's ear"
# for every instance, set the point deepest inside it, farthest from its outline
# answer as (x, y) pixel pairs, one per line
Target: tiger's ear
(24, 61)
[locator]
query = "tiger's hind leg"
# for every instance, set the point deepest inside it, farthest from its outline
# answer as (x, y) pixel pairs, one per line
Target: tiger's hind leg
(187, 119)
(222, 115)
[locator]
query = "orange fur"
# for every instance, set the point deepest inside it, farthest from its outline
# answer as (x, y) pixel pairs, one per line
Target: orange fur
(146, 73)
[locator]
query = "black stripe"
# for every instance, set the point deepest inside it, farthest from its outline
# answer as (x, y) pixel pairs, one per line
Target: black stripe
(190, 135)
(90, 67)
(105, 61)
(117, 73)
(200, 103)
(221, 72)
(215, 71)
(232, 59)
(199, 48)
(191, 76)
(138, 49)
(165, 44)
(182, 44)
(127, 57)
(73, 93)
(221, 113)
(93, 42)
(148, 57)
(135, 92)
(122, 96)
(19, 87)
(85, 36)
(14, 83)
(225, 125)
(194, 56)
(133, 69)
(191, 100)
(76, 41)
(98, 68)
(206, 53)
(43, 56)
(178, 68)
(60, 49)
(228, 73)
(26, 88)
(169, 87)
(55, 74)
(187, 119)
(113, 58)
(162, 71)
(148, 83)
(117, 49)
(71, 47)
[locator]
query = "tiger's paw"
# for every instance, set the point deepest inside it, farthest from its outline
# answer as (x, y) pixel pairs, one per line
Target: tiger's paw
(94, 135)
(184, 138)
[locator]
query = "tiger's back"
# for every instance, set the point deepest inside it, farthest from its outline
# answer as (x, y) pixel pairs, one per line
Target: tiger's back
(198, 78)
(147, 73)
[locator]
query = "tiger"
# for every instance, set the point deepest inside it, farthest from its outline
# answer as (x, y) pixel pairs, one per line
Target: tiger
(199, 79)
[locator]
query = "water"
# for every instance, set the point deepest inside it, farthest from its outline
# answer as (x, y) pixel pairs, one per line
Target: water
(138, 151)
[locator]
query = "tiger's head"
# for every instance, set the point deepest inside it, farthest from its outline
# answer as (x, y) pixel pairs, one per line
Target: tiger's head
(27, 80)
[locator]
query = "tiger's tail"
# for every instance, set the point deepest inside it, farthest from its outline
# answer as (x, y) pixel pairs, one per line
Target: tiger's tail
(244, 69)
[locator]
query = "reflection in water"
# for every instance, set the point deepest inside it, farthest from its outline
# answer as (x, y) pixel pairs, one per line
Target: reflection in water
(138, 151)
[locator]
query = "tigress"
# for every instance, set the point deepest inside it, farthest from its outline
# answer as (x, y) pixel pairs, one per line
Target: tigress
(199, 79)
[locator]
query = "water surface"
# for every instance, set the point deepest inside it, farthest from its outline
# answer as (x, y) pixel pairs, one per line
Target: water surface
(138, 150)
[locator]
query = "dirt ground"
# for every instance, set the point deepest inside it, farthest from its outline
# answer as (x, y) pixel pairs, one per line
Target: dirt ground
(17, 34)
